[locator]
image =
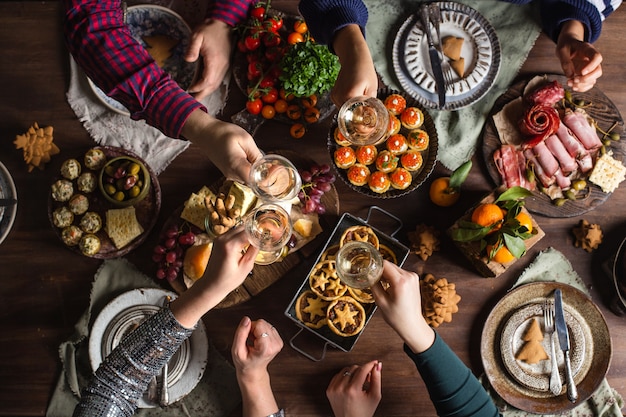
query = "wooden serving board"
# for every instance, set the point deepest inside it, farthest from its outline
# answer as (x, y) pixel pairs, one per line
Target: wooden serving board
(603, 112)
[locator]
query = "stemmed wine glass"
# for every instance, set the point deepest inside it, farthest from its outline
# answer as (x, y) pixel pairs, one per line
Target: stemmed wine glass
(268, 228)
(363, 120)
(274, 178)
(359, 264)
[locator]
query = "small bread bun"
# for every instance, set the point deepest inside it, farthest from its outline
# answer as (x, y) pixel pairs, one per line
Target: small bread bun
(358, 174)
(345, 157)
(379, 182)
(451, 47)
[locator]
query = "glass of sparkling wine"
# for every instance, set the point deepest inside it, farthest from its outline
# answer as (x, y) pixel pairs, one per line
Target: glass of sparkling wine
(363, 120)
(274, 178)
(269, 229)
(359, 264)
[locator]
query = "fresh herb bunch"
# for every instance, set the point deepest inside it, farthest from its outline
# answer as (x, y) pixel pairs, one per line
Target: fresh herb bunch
(509, 233)
(308, 68)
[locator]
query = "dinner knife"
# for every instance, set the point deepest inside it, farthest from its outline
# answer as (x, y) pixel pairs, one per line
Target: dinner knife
(6, 202)
(561, 329)
(435, 60)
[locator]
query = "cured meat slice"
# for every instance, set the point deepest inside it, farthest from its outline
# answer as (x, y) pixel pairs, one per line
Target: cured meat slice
(545, 158)
(539, 122)
(548, 95)
(578, 123)
(575, 148)
(511, 165)
(546, 180)
(556, 147)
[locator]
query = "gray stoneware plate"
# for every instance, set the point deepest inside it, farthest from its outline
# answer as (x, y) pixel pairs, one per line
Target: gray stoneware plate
(7, 213)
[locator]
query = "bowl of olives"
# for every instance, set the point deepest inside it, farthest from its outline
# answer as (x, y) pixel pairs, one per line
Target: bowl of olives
(124, 181)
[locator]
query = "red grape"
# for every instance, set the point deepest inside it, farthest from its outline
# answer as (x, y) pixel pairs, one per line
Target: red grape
(170, 257)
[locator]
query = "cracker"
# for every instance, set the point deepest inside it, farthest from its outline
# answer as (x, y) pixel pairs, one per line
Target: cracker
(195, 209)
(608, 173)
(122, 226)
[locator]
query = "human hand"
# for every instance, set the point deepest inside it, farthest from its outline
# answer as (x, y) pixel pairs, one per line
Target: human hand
(401, 306)
(212, 40)
(255, 344)
(580, 60)
(356, 390)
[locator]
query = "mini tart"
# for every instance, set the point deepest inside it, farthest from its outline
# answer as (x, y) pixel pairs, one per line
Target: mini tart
(70, 169)
(62, 217)
(395, 103)
(362, 295)
(71, 235)
(340, 139)
(87, 182)
(394, 125)
(386, 161)
(95, 159)
(91, 222)
(397, 144)
(379, 182)
(311, 309)
(366, 154)
(400, 179)
(346, 316)
(78, 204)
(89, 244)
(330, 253)
(345, 157)
(62, 190)
(412, 160)
(412, 118)
(358, 174)
(360, 234)
(325, 283)
(388, 254)
(418, 139)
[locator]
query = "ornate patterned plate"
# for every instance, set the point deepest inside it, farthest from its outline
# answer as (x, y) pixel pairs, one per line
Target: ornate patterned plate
(8, 191)
(481, 51)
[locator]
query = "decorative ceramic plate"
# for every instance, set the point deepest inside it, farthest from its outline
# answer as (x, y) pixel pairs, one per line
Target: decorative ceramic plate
(418, 177)
(481, 51)
(146, 210)
(124, 314)
(524, 386)
(602, 110)
(152, 20)
(7, 191)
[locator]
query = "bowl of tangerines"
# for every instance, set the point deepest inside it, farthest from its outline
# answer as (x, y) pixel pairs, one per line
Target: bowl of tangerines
(496, 232)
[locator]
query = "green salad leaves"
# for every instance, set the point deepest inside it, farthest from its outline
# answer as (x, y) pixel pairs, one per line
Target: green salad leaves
(308, 68)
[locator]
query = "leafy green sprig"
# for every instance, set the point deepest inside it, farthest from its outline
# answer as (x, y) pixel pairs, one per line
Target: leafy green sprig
(308, 68)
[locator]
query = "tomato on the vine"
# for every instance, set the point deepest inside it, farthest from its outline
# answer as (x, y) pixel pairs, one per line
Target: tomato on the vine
(274, 23)
(300, 26)
(271, 39)
(241, 46)
(294, 38)
(281, 105)
(268, 81)
(254, 106)
(271, 96)
(268, 111)
(252, 42)
(258, 12)
(273, 54)
(255, 70)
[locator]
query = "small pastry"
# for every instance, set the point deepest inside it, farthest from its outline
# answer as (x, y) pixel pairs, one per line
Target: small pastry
(394, 125)
(360, 234)
(386, 161)
(412, 118)
(62, 190)
(95, 159)
(412, 160)
(91, 222)
(388, 254)
(362, 295)
(78, 204)
(400, 179)
(346, 316)
(418, 139)
(86, 182)
(451, 47)
(71, 235)
(340, 139)
(311, 309)
(345, 157)
(89, 244)
(379, 182)
(395, 103)
(366, 154)
(325, 283)
(62, 217)
(358, 174)
(397, 144)
(330, 254)
(70, 169)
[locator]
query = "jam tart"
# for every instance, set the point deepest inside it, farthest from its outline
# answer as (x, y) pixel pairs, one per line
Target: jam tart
(364, 295)
(346, 316)
(330, 253)
(388, 254)
(360, 234)
(324, 281)
(311, 309)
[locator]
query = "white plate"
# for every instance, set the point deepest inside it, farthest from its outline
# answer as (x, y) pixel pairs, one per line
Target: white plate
(127, 312)
(7, 213)
(150, 20)
(481, 50)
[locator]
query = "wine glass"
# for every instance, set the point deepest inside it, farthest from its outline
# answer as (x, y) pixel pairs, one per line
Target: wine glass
(268, 228)
(363, 120)
(274, 178)
(359, 264)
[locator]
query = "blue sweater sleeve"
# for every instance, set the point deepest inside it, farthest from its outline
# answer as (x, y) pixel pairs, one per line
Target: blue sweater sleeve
(325, 17)
(452, 387)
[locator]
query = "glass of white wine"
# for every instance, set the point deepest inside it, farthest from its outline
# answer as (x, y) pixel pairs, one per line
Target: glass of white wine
(359, 264)
(363, 120)
(269, 229)
(274, 178)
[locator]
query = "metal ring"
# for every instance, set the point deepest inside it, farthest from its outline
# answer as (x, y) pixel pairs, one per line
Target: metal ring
(264, 334)
(347, 373)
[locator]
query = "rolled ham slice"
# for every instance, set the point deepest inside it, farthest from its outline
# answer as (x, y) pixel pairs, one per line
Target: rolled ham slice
(511, 165)
(575, 148)
(549, 94)
(577, 122)
(545, 158)
(546, 180)
(556, 147)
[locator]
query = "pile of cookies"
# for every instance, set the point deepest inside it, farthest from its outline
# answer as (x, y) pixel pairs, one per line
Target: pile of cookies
(37, 146)
(330, 302)
(439, 300)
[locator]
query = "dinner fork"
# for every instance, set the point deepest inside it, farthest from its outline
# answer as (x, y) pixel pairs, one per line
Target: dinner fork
(435, 16)
(548, 319)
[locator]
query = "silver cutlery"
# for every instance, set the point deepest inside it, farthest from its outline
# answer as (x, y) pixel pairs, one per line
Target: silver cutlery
(561, 329)
(548, 321)
(165, 398)
(435, 17)
(435, 60)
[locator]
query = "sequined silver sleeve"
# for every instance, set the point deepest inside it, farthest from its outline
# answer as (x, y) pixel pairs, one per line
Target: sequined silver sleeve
(124, 375)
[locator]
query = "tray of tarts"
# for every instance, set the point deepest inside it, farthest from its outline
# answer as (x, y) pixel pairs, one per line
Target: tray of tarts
(396, 165)
(330, 309)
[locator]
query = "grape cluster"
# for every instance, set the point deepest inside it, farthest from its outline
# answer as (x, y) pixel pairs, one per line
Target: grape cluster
(316, 181)
(169, 253)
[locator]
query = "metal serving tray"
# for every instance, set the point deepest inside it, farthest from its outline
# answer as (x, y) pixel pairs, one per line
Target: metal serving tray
(345, 343)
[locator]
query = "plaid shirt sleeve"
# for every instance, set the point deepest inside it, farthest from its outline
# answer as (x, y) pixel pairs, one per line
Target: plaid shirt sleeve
(231, 12)
(104, 48)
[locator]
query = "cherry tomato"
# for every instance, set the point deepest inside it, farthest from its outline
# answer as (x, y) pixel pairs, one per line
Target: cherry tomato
(241, 46)
(297, 130)
(268, 81)
(294, 38)
(294, 112)
(273, 24)
(252, 42)
(285, 96)
(254, 106)
(311, 115)
(281, 105)
(300, 26)
(271, 96)
(258, 12)
(273, 54)
(255, 69)
(268, 111)
(271, 39)
(310, 101)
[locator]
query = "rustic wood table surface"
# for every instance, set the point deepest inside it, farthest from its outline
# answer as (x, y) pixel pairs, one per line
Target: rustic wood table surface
(45, 287)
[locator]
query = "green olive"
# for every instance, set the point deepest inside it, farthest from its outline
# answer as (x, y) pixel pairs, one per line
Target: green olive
(109, 189)
(579, 185)
(134, 191)
(119, 196)
(580, 102)
(615, 136)
(110, 170)
(568, 96)
(570, 194)
(606, 142)
(560, 201)
(133, 168)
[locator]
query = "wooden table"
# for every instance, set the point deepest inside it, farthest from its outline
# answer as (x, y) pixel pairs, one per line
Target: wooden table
(45, 288)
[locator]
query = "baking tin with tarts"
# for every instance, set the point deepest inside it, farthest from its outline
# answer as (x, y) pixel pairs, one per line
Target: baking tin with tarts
(345, 344)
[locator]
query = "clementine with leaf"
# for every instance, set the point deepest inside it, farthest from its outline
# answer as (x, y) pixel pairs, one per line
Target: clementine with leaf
(488, 215)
